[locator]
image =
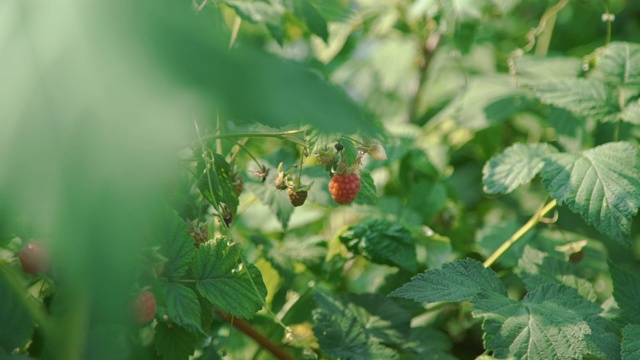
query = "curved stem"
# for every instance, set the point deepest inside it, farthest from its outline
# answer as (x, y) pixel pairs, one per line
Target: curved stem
(264, 342)
(535, 219)
(248, 153)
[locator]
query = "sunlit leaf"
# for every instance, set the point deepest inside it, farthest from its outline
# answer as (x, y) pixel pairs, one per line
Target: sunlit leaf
(619, 64)
(583, 97)
(599, 184)
(517, 165)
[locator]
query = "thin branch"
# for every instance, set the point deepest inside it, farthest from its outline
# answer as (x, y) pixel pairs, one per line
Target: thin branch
(262, 340)
(427, 49)
(535, 219)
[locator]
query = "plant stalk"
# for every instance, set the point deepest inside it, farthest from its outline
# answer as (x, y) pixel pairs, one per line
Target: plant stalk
(535, 219)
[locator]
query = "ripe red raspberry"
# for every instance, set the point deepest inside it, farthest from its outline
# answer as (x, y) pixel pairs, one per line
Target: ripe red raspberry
(143, 307)
(34, 257)
(344, 188)
(297, 198)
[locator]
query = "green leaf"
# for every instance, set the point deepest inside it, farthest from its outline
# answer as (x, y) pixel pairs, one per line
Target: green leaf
(619, 63)
(517, 165)
(173, 342)
(222, 279)
(631, 113)
(176, 244)
(333, 10)
(552, 322)
(17, 323)
(537, 268)
(584, 97)
(367, 194)
(216, 183)
(386, 321)
(314, 20)
(382, 242)
(277, 201)
(457, 281)
(601, 185)
(626, 291)
(343, 330)
(349, 151)
(631, 342)
(182, 305)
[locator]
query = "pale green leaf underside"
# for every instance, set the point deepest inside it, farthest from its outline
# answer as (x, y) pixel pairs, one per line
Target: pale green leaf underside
(631, 113)
(631, 342)
(548, 324)
(222, 280)
(517, 165)
(600, 184)
(584, 97)
(619, 64)
(458, 281)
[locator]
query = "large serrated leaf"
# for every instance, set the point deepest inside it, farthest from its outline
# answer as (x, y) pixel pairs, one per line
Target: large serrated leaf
(182, 305)
(552, 322)
(458, 281)
(176, 244)
(619, 64)
(601, 185)
(583, 97)
(517, 165)
(382, 242)
(631, 342)
(348, 331)
(537, 268)
(173, 343)
(626, 291)
(222, 280)
(367, 194)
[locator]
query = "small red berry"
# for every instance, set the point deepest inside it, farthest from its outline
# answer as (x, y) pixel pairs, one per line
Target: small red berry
(297, 198)
(344, 188)
(34, 257)
(143, 307)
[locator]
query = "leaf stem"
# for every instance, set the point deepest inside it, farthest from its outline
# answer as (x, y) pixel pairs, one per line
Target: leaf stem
(262, 340)
(535, 219)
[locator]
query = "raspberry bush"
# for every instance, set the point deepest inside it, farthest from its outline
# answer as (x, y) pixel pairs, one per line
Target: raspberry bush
(315, 179)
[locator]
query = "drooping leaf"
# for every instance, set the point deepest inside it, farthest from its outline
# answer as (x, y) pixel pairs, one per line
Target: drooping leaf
(182, 305)
(457, 281)
(343, 330)
(619, 64)
(387, 321)
(600, 184)
(222, 279)
(631, 342)
(552, 322)
(382, 242)
(349, 151)
(626, 291)
(367, 194)
(17, 323)
(176, 244)
(583, 97)
(216, 183)
(517, 165)
(537, 268)
(173, 342)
